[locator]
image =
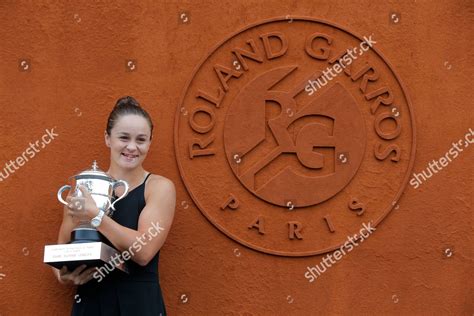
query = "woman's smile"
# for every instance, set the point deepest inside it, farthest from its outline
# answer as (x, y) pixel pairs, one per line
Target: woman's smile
(129, 157)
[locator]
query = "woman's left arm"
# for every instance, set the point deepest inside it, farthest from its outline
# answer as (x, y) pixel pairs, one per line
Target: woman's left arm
(153, 225)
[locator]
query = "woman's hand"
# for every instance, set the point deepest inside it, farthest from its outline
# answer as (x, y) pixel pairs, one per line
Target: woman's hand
(83, 207)
(77, 277)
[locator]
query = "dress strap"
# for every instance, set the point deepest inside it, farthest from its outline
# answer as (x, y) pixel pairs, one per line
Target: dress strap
(149, 174)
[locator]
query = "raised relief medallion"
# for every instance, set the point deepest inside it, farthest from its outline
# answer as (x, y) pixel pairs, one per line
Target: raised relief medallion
(283, 168)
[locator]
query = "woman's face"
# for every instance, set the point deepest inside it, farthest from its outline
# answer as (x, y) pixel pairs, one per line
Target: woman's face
(129, 141)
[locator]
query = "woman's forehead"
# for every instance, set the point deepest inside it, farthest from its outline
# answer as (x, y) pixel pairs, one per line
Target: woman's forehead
(132, 124)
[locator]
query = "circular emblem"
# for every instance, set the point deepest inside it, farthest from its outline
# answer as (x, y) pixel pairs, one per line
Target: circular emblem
(290, 136)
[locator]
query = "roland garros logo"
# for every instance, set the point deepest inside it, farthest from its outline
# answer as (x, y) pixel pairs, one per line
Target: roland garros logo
(281, 170)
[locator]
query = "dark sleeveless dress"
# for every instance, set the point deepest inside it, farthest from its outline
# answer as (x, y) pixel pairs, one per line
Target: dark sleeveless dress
(136, 293)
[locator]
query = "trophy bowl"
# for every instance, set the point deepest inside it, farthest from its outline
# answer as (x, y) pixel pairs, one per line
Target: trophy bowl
(101, 186)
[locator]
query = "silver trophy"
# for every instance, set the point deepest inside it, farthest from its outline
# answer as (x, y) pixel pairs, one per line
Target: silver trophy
(101, 187)
(86, 245)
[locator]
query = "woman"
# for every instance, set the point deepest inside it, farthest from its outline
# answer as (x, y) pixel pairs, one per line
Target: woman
(150, 203)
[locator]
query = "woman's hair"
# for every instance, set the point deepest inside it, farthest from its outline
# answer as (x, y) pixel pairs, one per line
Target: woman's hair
(127, 105)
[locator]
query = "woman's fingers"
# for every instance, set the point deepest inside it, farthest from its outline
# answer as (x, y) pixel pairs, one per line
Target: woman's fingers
(78, 270)
(77, 207)
(63, 271)
(79, 276)
(88, 279)
(89, 271)
(85, 276)
(89, 275)
(62, 275)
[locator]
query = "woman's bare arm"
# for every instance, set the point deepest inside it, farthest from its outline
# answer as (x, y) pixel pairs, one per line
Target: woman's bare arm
(153, 225)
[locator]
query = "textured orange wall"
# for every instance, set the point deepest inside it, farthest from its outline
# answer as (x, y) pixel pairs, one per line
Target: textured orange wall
(420, 259)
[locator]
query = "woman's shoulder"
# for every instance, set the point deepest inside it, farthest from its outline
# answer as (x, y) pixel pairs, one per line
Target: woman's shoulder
(158, 183)
(161, 191)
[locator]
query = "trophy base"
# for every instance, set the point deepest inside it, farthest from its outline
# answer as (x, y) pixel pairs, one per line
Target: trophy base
(92, 254)
(84, 235)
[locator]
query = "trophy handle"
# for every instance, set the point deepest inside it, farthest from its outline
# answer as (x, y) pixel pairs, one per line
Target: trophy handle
(117, 183)
(60, 192)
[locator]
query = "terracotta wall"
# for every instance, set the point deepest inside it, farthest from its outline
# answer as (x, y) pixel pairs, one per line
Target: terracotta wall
(63, 65)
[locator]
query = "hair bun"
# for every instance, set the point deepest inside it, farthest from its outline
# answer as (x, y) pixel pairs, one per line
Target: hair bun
(125, 106)
(127, 101)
